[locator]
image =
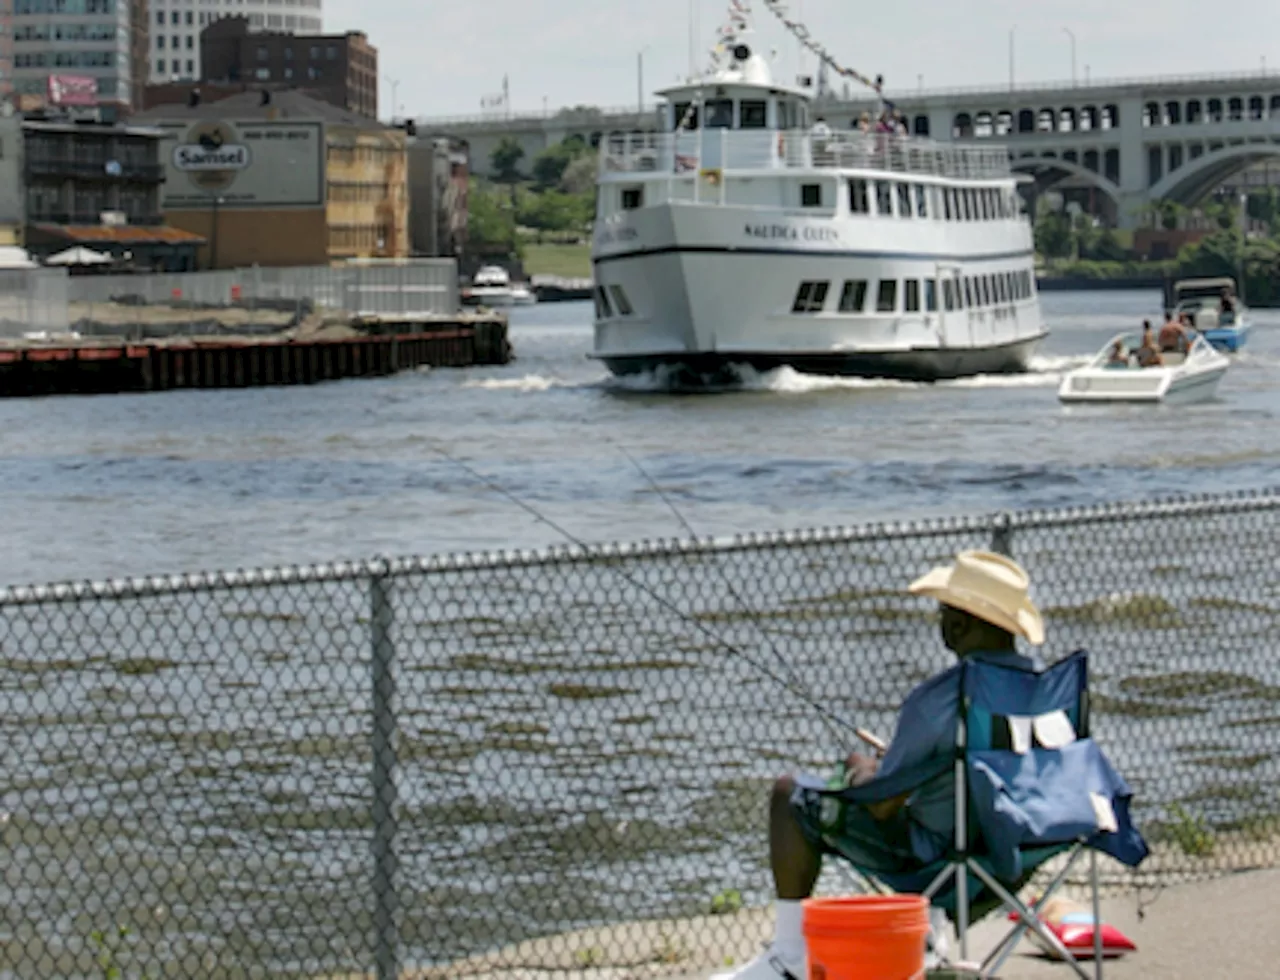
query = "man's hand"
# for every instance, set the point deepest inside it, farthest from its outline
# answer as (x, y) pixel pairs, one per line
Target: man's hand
(860, 770)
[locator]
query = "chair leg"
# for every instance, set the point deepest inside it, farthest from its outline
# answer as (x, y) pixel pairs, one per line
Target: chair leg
(1097, 915)
(1032, 920)
(1004, 949)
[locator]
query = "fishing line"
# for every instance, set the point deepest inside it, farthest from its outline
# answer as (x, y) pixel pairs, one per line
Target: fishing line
(661, 600)
(837, 724)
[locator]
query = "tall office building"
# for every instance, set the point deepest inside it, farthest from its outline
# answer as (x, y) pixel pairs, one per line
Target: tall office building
(176, 26)
(90, 39)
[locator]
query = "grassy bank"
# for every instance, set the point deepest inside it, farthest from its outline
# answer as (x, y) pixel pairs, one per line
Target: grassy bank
(570, 261)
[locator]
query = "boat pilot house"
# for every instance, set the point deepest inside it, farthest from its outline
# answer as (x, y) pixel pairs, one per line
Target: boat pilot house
(750, 232)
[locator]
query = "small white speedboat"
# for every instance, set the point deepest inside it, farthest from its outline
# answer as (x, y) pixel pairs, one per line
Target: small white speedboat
(1181, 379)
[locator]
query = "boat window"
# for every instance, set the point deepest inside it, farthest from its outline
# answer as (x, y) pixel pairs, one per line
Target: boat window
(935, 202)
(884, 199)
(984, 286)
(887, 297)
(1002, 289)
(602, 303)
(719, 114)
(931, 295)
(949, 294)
(968, 292)
(922, 210)
(632, 198)
(904, 201)
(811, 297)
(911, 298)
(786, 115)
(859, 203)
(972, 202)
(984, 206)
(949, 203)
(811, 195)
(853, 298)
(686, 115)
(620, 301)
(754, 114)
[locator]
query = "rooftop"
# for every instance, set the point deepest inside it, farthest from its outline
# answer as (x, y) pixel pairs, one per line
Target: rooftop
(287, 104)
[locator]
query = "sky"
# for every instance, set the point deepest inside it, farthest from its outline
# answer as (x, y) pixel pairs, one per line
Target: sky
(444, 59)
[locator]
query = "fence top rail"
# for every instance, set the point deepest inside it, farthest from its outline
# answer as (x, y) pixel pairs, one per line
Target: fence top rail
(347, 571)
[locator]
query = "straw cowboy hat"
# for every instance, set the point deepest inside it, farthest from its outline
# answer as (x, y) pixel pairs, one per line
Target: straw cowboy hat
(989, 586)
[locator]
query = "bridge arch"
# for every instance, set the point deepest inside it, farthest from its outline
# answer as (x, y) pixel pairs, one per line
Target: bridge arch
(1049, 170)
(1199, 176)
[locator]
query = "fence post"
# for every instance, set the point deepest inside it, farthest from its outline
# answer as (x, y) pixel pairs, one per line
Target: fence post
(386, 911)
(1002, 535)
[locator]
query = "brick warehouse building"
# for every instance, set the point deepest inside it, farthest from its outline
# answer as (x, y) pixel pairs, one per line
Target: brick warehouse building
(341, 69)
(279, 178)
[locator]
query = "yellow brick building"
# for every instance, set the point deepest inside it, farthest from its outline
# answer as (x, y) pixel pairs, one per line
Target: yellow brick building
(279, 178)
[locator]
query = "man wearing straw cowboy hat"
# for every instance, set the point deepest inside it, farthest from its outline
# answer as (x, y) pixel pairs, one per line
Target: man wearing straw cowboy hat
(984, 607)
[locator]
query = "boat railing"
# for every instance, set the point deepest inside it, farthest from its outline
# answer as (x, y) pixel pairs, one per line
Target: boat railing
(705, 150)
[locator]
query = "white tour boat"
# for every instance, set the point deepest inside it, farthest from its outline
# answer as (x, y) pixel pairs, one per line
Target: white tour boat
(492, 286)
(1114, 375)
(742, 235)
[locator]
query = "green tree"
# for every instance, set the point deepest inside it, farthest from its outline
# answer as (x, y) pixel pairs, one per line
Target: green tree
(550, 165)
(580, 176)
(1054, 237)
(505, 160)
(554, 211)
(491, 226)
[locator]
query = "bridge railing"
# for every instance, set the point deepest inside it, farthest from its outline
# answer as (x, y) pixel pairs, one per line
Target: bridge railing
(732, 150)
(997, 93)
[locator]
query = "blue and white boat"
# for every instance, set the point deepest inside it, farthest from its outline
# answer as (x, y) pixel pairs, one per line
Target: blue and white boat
(1201, 300)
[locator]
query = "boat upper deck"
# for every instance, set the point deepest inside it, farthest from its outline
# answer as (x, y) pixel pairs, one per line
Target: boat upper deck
(726, 150)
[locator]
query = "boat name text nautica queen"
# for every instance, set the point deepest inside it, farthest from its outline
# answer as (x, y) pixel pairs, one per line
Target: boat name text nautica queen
(793, 233)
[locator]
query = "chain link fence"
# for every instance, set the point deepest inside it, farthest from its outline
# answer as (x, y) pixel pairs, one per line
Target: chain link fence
(33, 301)
(557, 763)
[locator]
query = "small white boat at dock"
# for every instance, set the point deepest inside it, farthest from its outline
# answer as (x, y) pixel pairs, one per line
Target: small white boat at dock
(1181, 378)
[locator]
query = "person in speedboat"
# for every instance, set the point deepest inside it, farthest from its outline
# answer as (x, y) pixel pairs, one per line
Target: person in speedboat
(1174, 338)
(1227, 314)
(1149, 353)
(1119, 357)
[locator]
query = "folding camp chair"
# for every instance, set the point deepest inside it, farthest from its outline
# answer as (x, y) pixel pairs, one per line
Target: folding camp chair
(1029, 785)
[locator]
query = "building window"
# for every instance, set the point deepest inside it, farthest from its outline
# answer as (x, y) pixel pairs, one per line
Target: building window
(160, 17)
(887, 297)
(811, 297)
(191, 42)
(175, 17)
(263, 53)
(190, 18)
(288, 73)
(191, 68)
(263, 74)
(331, 53)
(160, 42)
(160, 69)
(911, 299)
(859, 203)
(288, 54)
(853, 298)
(811, 195)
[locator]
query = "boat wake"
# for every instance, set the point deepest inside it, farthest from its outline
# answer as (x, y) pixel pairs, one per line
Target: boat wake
(1044, 372)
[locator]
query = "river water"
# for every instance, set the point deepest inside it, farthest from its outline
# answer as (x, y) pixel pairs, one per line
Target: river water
(578, 743)
(98, 486)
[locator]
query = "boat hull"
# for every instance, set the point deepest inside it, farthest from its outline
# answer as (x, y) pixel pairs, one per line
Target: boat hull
(700, 288)
(1181, 390)
(906, 365)
(1229, 339)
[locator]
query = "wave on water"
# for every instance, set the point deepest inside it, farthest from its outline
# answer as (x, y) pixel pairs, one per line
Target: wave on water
(1044, 372)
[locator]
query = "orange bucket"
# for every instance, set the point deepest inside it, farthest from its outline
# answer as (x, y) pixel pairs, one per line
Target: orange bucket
(866, 937)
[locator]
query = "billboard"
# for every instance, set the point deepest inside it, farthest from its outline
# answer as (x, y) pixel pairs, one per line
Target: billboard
(218, 163)
(72, 90)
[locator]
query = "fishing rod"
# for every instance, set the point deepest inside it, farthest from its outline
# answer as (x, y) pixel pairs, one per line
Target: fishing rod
(825, 712)
(797, 686)
(495, 487)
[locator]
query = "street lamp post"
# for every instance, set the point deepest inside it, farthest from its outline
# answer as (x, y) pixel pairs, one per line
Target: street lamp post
(1072, 34)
